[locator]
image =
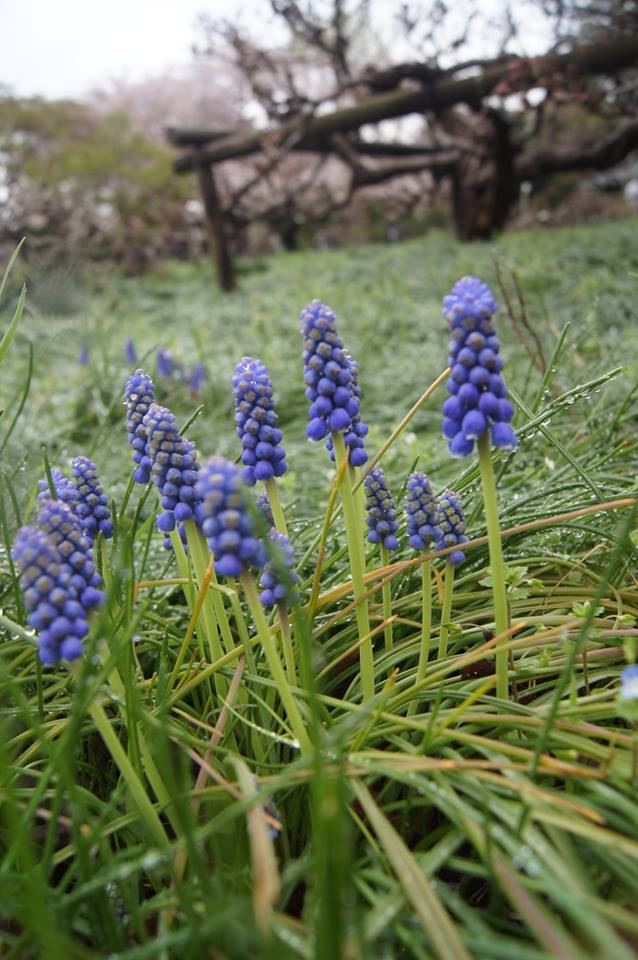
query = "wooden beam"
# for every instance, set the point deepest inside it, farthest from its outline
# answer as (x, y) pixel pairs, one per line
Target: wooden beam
(189, 137)
(218, 247)
(521, 74)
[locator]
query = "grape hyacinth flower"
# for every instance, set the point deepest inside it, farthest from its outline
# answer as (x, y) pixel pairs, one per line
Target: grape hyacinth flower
(64, 532)
(332, 388)
(226, 520)
(278, 584)
(331, 378)
(139, 394)
(54, 609)
(279, 580)
(130, 353)
(164, 363)
(65, 490)
(228, 528)
(174, 469)
(197, 377)
(256, 422)
(423, 528)
(263, 505)
(83, 358)
(629, 683)
(478, 401)
(422, 512)
(381, 510)
(452, 524)
(92, 504)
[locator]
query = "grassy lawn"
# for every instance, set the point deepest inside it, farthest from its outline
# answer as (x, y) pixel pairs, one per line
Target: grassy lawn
(435, 821)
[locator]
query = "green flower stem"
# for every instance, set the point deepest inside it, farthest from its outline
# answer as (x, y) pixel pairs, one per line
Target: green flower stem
(387, 602)
(208, 617)
(499, 591)
(426, 618)
(201, 559)
(446, 612)
(153, 774)
(183, 566)
(274, 663)
(104, 559)
(127, 770)
(355, 548)
(275, 506)
(286, 642)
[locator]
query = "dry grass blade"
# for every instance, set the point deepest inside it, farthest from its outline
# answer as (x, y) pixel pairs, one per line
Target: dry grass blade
(266, 884)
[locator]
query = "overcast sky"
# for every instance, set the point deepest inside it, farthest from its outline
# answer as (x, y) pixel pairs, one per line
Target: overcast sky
(65, 48)
(61, 48)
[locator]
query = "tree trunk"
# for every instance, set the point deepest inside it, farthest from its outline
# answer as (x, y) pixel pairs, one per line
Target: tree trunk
(484, 182)
(289, 235)
(218, 247)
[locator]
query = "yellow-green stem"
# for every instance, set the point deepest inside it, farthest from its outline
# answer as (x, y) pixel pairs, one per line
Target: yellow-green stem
(208, 617)
(274, 663)
(153, 774)
(386, 593)
(446, 612)
(275, 505)
(106, 571)
(355, 548)
(183, 566)
(426, 618)
(499, 591)
(201, 559)
(286, 642)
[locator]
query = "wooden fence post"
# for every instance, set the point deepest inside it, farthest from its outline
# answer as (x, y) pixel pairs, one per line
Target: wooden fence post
(218, 247)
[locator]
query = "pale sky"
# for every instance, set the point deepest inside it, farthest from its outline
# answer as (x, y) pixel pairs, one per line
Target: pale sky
(66, 48)
(63, 48)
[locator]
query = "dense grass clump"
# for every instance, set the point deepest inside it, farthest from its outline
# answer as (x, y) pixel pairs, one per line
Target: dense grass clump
(370, 765)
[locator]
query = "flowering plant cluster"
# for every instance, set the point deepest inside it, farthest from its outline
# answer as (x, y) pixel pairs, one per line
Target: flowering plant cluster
(227, 523)
(331, 378)
(256, 422)
(279, 581)
(216, 497)
(174, 469)
(478, 400)
(59, 580)
(139, 394)
(381, 510)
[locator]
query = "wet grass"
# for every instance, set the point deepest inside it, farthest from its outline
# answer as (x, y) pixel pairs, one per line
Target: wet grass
(438, 820)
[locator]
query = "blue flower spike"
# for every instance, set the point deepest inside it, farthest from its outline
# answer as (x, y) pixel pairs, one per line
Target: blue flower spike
(226, 520)
(197, 377)
(263, 505)
(49, 596)
(629, 683)
(478, 400)
(256, 422)
(452, 524)
(64, 531)
(423, 520)
(139, 394)
(174, 469)
(380, 510)
(130, 353)
(92, 504)
(331, 378)
(279, 581)
(65, 490)
(165, 363)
